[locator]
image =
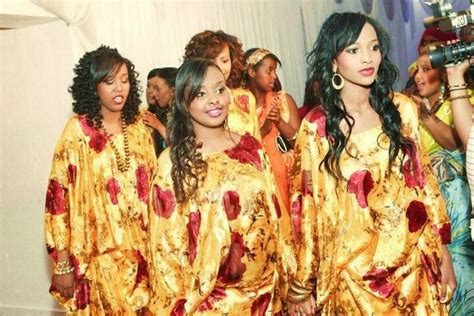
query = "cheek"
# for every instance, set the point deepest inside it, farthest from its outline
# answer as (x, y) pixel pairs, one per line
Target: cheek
(433, 77)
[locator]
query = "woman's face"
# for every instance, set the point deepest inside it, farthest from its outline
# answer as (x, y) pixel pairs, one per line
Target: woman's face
(113, 91)
(163, 92)
(359, 63)
(151, 90)
(224, 62)
(210, 107)
(265, 76)
(428, 80)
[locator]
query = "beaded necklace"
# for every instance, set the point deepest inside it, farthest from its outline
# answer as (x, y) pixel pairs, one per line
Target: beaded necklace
(122, 164)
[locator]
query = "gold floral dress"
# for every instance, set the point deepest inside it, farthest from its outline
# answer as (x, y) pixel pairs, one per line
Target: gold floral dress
(100, 215)
(373, 239)
(243, 116)
(220, 252)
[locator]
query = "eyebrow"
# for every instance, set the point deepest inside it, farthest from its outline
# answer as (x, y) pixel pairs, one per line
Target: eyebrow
(217, 83)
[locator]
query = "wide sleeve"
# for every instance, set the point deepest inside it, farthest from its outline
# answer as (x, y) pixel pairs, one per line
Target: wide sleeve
(64, 191)
(167, 237)
(303, 209)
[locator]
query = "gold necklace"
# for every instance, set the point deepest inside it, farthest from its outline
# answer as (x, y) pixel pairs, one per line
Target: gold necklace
(122, 164)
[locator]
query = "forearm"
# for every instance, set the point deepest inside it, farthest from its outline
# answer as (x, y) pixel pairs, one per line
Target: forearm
(461, 107)
(443, 134)
(286, 130)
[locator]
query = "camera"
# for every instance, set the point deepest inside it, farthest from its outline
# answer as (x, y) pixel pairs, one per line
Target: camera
(447, 21)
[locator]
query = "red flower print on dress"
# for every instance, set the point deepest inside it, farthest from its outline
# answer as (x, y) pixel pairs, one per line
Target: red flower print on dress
(55, 198)
(78, 273)
(193, 233)
(178, 309)
(71, 174)
(82, 295)
(52, 252)
(142, 183)
(296, 217)
(413, 169)
(232, 269)
(231, 203)
(444, 233)
(361, 184)
(318, 116)
(277, 205)
(246, 151)
(142, 269)
(306, 182)
(417, 216)
(113, 187)
(216, 295)
(378, 281)
(242, 102)
(97, 140)
(260, 305)
(431, 266)
(163, 202)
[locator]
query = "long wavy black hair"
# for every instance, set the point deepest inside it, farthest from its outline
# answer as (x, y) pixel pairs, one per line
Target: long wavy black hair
(338, 32)
(188, 166)
(95, 67)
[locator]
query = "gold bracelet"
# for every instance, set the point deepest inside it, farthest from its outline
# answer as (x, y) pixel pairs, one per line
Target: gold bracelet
(63, 267)
(467, 96)
(457, 89)
(456, 86)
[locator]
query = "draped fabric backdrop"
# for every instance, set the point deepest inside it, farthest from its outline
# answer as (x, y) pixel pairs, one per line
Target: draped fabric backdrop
(36, 69)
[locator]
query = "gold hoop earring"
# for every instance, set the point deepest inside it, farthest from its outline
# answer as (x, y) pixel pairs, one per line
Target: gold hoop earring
(335, 79)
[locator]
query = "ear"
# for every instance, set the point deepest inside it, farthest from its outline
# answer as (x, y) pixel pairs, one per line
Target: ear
(252, 73)
(334, 66)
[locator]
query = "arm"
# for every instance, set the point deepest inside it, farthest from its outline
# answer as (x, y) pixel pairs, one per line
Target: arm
(152, 121)
(290, 129)
(442, 133)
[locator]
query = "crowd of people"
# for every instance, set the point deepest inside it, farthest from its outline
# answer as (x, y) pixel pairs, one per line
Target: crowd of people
(221, 196)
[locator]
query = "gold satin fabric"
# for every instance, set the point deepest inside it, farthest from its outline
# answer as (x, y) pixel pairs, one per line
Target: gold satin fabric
(100, 215)
(243, 116)
(373, 239)
(221, 252)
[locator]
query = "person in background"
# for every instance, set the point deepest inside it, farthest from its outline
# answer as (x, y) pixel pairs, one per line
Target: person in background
(441, 141)
(367, 212)
(97, 197)
(161, 82)
(226, 51)
(214, 234)
(277, 113)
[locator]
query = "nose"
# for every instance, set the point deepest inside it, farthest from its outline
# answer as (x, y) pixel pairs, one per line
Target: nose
(367, 57)
(213, 98)
(118, 85)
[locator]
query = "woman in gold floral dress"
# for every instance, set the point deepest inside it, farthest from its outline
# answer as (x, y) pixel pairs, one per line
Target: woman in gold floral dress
(215, 242)
(367, 213)
(97, 199)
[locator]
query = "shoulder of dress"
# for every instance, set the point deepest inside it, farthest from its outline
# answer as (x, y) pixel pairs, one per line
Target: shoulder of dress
(405, 105)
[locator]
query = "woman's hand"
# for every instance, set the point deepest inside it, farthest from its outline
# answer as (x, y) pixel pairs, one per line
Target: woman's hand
(64, 284)
(448, 279)
(274, 114)
(307, 307)
(456, 72)
(152, 121)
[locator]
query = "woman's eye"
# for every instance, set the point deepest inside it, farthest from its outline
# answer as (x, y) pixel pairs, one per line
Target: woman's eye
(352, 50)
(201, 94)
(220, 90)
(376, 47)
(225, 61)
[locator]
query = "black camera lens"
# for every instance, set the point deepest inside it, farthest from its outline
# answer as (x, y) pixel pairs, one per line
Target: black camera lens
(451, 54)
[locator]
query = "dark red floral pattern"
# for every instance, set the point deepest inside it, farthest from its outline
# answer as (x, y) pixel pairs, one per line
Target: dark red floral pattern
(416, 215)
(306, 182)
(378, 281)
(444, 233)
(243, 102)
(97, 140)
(193, 227)
(260, 305)
(361, 184)
(246, 151)
(232, 269)
(296, 217)
(71, 174)
(318, 116)
(216, 295)
(82, 295)
(431, 266)
(142, 183)
(142, 269)
(178, 309)
(277, 205)
(113, 187)
(231, 203)
(55, 198)
(413, 169)
(163, 202)
(52, 252)
(78, 273)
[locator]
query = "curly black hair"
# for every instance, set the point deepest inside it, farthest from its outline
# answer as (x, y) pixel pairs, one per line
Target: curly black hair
(95, 67)
(209, 44)
(338, 32)
(188, 166)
